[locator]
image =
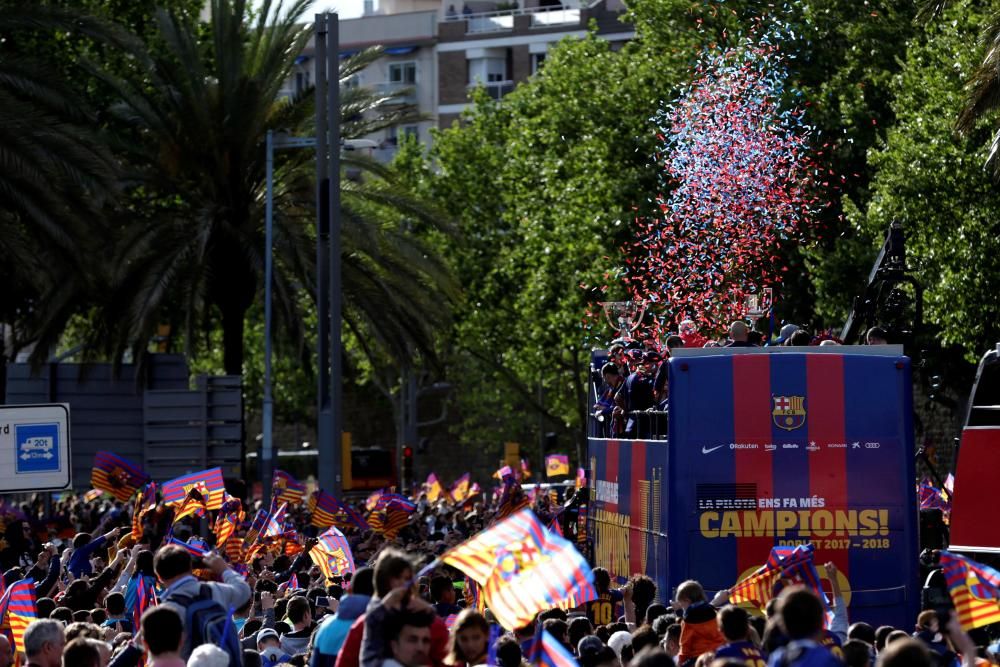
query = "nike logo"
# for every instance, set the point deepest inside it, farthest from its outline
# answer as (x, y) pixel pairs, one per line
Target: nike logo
(709, 450)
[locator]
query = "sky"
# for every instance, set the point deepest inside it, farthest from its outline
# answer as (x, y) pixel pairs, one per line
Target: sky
(347, 9)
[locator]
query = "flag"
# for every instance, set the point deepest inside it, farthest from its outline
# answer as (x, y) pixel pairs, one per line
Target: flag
(473, 595)
(208, 482)
(581, 478)
(522, 567)
(372, 499)
(193, 505)
(391, 514)
(18, 606)
(433, 488)
(783, 563)
(145, 598)
(556, 464)
(332, 554)
(92, 495)
(116, 475)
(230, 515)
(581, 596)
(293, 582)
(525, 469)
(460, 489)
(275, 525)
(974, 588)
(932, 498)
(253, 532)
(145, 502)
(546, 651)
(193, 548)
(504, 473)
(286, 488)
(512, 498)
(328, 511)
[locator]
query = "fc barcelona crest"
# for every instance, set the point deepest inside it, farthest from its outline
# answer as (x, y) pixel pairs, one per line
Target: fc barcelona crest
(789, 412)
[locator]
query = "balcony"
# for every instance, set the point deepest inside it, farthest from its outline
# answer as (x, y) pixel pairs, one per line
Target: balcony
(495, 89)
(502, 20)
(402, 93)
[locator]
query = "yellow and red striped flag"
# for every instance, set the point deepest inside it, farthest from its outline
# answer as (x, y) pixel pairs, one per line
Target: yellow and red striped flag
(974, 588)
(18, 608)
(434, 489)
(522, 568)
(286, 488)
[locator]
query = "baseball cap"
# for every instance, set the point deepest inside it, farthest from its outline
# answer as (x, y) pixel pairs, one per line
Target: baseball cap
(620, 640)
(265, 634)
(589, 644)
(786, 333)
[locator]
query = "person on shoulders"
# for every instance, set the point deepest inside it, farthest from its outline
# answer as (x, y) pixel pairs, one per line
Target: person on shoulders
(699, 626)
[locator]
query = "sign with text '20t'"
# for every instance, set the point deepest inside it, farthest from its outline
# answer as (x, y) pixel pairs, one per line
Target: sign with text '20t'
(34, 447)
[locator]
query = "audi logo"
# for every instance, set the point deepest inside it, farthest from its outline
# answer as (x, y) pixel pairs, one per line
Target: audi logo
(872, 445)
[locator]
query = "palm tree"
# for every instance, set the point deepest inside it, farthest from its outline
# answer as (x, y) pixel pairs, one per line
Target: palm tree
(198, 110)
(56, 170)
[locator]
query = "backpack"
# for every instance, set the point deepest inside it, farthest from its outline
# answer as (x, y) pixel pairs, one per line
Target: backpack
(207, 622)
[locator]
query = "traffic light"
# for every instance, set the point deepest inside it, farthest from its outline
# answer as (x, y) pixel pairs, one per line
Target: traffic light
(406, 476)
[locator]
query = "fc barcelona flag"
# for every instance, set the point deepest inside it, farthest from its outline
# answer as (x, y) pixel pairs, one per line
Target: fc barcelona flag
(546, 651)
(974, 588)
(208, 482)
(116, 475)
(17, 607)
(460, 489)
(556, 464)
(522, 567)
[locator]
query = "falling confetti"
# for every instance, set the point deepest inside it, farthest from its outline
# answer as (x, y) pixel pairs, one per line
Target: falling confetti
(743, 183)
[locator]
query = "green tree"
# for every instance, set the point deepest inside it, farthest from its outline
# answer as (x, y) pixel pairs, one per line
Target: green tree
(195, 109)
(932, 180)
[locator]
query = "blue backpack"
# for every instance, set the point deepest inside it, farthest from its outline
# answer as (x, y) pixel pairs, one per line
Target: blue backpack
(207, 622)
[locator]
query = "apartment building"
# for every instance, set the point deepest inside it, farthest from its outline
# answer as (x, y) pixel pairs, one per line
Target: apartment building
(437, 51)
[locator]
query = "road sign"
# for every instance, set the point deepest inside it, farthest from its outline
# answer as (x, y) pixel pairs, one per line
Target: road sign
(34, 447)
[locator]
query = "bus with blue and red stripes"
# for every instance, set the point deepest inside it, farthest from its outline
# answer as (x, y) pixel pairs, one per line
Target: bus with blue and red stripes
(766, 447)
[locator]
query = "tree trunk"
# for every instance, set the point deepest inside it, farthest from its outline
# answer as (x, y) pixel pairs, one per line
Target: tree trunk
(233, 318)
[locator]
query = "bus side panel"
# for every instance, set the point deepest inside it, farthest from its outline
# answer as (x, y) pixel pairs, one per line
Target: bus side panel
(628, 508)
(793, 448)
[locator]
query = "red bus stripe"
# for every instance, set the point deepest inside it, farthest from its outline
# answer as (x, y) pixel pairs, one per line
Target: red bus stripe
(752, 424)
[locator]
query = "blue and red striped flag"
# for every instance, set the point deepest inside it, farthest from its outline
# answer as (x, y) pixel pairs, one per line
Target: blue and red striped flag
(332, 554)
(275, 525)
(293, 582)
(145, 598)
(116, 475)
(974, 588)
(546, 651)
(522, 567)
(286, 488)
(933, 498)
(783, 564)
(18, 606)
(193, 548)
(328, 511)
(208, 482)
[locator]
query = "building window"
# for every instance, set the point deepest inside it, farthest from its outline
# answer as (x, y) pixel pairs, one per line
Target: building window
(536, 62)
(394, 133)
(405, 73)
(353, 81)
(301, 82)
(487, 70)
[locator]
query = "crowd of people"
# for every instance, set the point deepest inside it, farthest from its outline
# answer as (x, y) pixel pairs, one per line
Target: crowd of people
(90, 580)
(631, 383)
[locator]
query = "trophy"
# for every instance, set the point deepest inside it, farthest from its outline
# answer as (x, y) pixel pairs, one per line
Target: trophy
(759, 304)
(625, 316)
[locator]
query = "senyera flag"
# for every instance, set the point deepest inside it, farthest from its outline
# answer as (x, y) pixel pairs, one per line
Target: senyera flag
(145, 502)
(522, 567)
(286, 488)
(974, 588)
(116, 475)
(434, 489)
(208, 482)
(391, 514)
(460, 489)
(556, 464)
